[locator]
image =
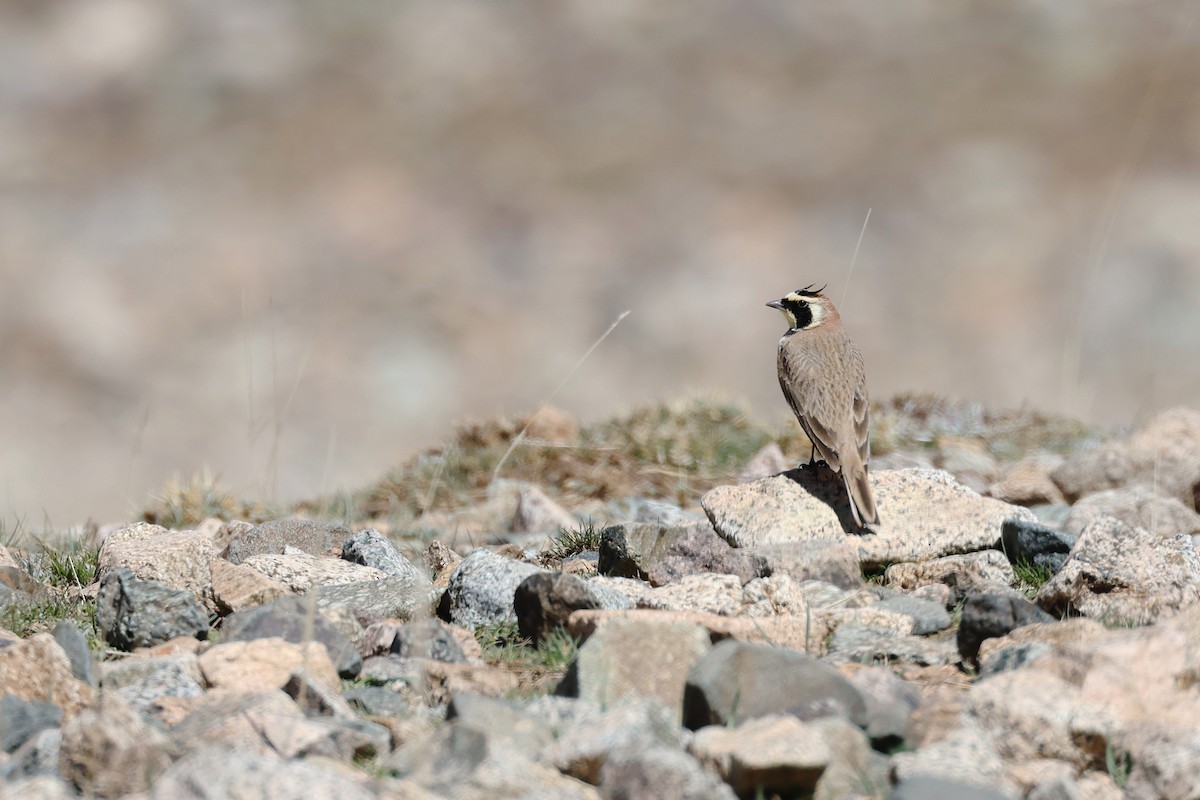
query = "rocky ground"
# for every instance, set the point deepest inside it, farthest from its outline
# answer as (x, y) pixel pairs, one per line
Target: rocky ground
(657, 605)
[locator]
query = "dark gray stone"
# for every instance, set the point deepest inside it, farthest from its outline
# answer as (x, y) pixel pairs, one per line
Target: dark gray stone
(315, 538)
(388, 598)
(985, 616)
(1014, 657)
(481, 588)
(131, 612)
(393, 668)
(662, 555)
(929, 788)
(543, 602)
(21, 719)
(661, 772)
(736, 681)
(372, 549)
(928, 616)
(377, 701)
(289, 618)
(890, 702)
(1035, 544)
(75, 645)
(429, 638)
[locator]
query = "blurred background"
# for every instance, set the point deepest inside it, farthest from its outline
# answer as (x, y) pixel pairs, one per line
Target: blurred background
(295, 242)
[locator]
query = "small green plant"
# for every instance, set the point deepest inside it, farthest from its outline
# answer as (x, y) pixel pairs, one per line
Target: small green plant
(1118, 765)
(1031, 577)
(572, 541)
(42, 614)
(72, 564)
(537, 668)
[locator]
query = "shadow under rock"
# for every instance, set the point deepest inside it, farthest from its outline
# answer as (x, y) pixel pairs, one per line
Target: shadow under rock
(827, 486)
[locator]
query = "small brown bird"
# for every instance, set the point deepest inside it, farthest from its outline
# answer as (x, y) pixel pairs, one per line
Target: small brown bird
(822, 376)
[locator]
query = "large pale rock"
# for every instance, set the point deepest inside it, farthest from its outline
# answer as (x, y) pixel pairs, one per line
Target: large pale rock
(961, 573)
(831, 560)
(1124, 575)
(586, 741)
(777, 754)
(924, 513)
(237, 586)
(1136, 506)
(296, 620)
(180, 559)
(1163, 455)
(298, 571)
(275, 536)
(264, 664)
(1028, 481)
(37, 669)
(662, 554)
(661, 772)
(395, 597)
(634, 658)
(482, 587)
(715, 594)
(109, 750)
(216, 773)
(239, 721)
(805, 635)
(964, 755)
(537, 513)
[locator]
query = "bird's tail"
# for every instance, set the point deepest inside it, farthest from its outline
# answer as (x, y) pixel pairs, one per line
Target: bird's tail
(862, 500)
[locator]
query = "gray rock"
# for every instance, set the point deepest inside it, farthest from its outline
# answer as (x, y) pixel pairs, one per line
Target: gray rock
(429, 638)
(925, 514)
(389, 598)
(39, 755)
(377, 701)
(1013, 657)
(890, 701)
(962, 573)
(856, 643)
(774, 755)
(736, 681)
(40, 787)
(292, 619)
(630, 658)
(116, 675)
(583, 749)
(21, 719)
(659, 512)
(1123, 575)
(131, 612)
(1034, 543)
(928, 616)
(1136, 506)
(661, 772)
(171, 680)
(218, 774)
(272, 536)
(315, 697)
(545, 600)
(71, 639)
(372, 549)
(481, 588)
(109, 750)
(921, 787)
(833, 561)
(985, 616)
(662, 555)
(504, 724)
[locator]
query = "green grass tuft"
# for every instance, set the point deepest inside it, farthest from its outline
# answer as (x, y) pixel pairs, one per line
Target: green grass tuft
(571, 542)
(1031, 577)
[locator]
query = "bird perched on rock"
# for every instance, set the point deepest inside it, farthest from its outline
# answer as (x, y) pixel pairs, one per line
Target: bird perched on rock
(822, 376)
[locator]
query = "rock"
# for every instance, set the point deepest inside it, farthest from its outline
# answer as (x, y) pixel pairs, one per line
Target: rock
(962, 573)
(630, 658)
(661, 772)
(370, 548)
(131, 612)
(37, 757)
(776, 596)
(1035, 544)
(961, 761)
(537, 513)
(663, 555)
(504, 724)
(662, 513)
(482, 587)
(319, 539)
(985, 616)
(263, 664)
(928, 616)
(377, 701)
(1165, 765)
(736, 681)
(775, 754)
(1124, 575)
(544, 601)
(890, 702)
(924, 787)
(237, 721)
(968, 460)
(925, 514)
(37, 670)
(117, 675)
(108, 750)
(216, 774)
(768, 461)
(21, 719)
(585, 745)
(392, 597)
(868, 644)
(72, 641)
(178, 559)
(854, 769)
(173, 677)
(715, 594)
(777, 631)
(40, 787)
(441, 561)
(295, 621)
(297, 572)
(1136, 506)
(830, 560)
(236, 587)
(1028, 481)
(432, 638)
(1164, 456)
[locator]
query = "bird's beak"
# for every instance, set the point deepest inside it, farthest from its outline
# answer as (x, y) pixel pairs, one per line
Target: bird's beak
(775, 304)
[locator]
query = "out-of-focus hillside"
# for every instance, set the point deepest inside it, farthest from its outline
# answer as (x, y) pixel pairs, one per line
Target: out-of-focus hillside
(294, 241)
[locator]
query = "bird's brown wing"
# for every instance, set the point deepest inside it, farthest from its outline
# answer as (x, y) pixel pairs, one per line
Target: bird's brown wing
(861, 409)
(810, 400)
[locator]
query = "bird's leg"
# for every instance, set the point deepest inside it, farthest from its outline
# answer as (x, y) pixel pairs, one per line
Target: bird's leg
(812, 457)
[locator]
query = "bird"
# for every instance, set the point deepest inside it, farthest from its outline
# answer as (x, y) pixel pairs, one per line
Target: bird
(823, 379)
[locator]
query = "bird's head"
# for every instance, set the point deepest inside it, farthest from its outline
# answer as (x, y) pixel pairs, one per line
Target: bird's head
(805, 308)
